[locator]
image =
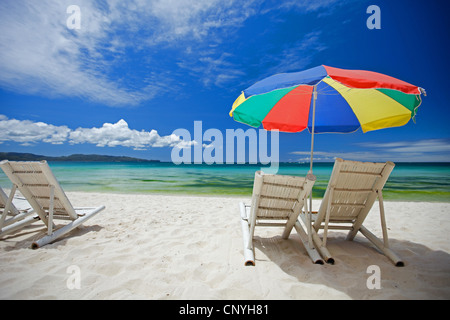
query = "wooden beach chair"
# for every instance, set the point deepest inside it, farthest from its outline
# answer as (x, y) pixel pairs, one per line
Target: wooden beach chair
(276, 202)
(12, 210)
(39, 186)
(352, 190)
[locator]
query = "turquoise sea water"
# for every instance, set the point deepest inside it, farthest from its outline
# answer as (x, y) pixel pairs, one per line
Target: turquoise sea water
(408, 181)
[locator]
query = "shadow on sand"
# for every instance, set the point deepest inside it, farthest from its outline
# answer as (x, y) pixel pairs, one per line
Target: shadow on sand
(26, 236)
(426, 274)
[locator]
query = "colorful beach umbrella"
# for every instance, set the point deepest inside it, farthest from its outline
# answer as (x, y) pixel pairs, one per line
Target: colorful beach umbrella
(327, 100)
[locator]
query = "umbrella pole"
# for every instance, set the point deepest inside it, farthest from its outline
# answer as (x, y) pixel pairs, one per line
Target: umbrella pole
(311, 245)
(313, 124)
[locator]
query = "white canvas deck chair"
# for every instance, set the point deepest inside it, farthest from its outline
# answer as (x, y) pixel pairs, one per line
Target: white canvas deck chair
(12, 210)
(276, 201)
(39, 186)
(352, 190)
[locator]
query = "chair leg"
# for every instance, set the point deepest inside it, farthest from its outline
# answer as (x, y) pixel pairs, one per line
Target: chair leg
(383, 219)
(310, 249)
(7, 206)
(380, 245)
(50, 211)
(383, 246)
(327, 217)
(318, 244)
(64, 230)
(18, 225)
(249, 255)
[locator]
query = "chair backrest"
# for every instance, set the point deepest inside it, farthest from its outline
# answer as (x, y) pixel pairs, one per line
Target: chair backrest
(278, 196)
(354, 186)
(35, 180)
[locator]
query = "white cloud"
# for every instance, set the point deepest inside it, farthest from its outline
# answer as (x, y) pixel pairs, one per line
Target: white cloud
(119, 134)
(429, 150)
(420, 146)
(308, 5)
(40, 55)
(27, 132)
(212, 68)
(296, 56)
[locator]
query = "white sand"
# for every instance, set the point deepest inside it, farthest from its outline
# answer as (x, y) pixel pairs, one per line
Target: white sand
(183, 247)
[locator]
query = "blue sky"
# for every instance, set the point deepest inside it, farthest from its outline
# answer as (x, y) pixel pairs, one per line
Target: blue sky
(136, 71)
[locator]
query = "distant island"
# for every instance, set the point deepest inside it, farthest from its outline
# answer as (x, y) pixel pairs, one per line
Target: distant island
(16, 156)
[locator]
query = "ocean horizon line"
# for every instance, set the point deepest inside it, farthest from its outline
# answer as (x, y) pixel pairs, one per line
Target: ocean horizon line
(20, 156)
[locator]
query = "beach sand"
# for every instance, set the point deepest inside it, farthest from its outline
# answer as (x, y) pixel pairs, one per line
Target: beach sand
(188, 247)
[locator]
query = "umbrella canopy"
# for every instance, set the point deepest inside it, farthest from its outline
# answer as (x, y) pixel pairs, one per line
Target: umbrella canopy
(345, 100)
